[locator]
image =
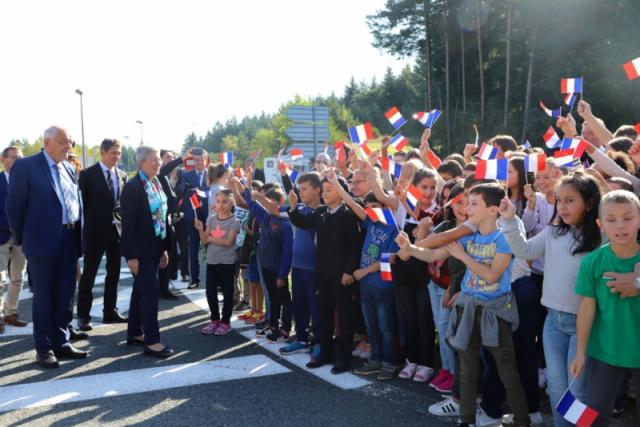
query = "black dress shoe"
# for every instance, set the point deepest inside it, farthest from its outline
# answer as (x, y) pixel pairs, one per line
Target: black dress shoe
(160, 354)
(114, 317)
(77, 336)
(84, 324)
(317, 362)
(168, 295)
(134, 341)
(194, 285)
(340, 368)
(47, 360)
(69, 352)
(186, 278)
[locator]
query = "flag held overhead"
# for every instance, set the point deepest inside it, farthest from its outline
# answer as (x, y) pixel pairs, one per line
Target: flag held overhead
(632, 68)
(573, 85)
(395, 118)
(390, 166)
(535, 163)
(399, 142)
(382, 215)
(551, 138)
(487, 152)
(554, 114)
(361, 133)
(295, 153)
(492, 169)
(427, 119)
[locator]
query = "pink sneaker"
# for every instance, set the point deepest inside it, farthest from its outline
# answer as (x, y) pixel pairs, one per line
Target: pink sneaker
(423, 374)
(223, 329)
(442, 375)
(210, 327)
(445, 386)
(408, 371)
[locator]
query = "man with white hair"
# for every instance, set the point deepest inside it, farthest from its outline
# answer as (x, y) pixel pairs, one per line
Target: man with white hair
(44, 211)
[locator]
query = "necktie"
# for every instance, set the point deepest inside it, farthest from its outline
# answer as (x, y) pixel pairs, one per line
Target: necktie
(110, 184)
(200, 178)
(67, 195)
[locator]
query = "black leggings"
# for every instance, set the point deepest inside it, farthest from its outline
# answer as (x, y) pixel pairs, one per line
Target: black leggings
(220, 275)
(279, 300)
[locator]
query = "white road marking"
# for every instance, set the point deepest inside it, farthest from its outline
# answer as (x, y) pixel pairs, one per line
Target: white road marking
(121, 383)
(199, 298)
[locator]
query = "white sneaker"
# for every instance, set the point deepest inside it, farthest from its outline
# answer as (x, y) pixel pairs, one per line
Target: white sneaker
(542, 378)
(536, 419)
(445, 408)
(484, 420)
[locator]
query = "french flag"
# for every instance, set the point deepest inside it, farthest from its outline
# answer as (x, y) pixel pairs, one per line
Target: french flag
(385, 267)
(576, 144)
(395, 118)
(632, 68)
(226, 158)
(366, 151)
(570, 99)
(535, 163)
(554, 114)
(413, 195)
(571, 85)
(492, 169)
(339, 151)
(454, 200)
(201, 194)
(575, 411)
(292, 173)
(434, 159)
(382, 215)
(361, 133)
(195, 201)
(390, 166)
(563, 158)
(295, 153)
(487, 152)
(399, 142)
(427, 119)
(551, 138)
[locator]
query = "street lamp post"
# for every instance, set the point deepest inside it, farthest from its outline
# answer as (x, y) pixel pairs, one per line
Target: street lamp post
(84, 153)
(141, 134)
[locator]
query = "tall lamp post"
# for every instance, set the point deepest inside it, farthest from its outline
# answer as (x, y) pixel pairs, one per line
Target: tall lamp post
(84, 153)
(141, 134)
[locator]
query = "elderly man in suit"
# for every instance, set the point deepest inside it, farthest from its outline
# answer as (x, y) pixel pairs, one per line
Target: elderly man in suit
(9, 251)
(101, 186)
(45, 211)
(146, 241)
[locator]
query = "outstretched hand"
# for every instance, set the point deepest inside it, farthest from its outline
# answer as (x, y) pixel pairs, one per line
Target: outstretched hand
(506, 209)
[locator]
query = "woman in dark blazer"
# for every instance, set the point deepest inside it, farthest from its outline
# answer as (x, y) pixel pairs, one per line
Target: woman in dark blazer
(145, 245)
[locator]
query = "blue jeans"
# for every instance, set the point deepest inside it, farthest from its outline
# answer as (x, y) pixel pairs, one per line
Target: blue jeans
(378, 308)
(305, 303)
(559, 339)
(441, 319)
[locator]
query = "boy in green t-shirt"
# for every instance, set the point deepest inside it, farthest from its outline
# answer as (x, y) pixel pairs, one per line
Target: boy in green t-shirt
(608, 323)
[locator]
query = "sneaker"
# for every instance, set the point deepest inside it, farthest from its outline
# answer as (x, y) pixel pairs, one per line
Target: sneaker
(445, 408)
(369, 368)
(273, 336)
(542, 377)
(536, 419)
(223, 329)
(360, 348)
(423, 374)
(442, 375)
(210, 328)
(261, 333)
(295, 347)
(408, 371)
(445, 386)
(255, 319)
(246, 315)
(386, 374)
(285, 334)
(261, 325)
(484, 420)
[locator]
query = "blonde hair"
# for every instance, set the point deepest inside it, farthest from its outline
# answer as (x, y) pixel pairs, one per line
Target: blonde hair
(619, 197)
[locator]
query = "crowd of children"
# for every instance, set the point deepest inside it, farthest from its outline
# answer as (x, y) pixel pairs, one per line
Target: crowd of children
(477, 287)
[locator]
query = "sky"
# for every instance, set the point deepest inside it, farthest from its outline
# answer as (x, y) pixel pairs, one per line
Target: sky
(177, 66)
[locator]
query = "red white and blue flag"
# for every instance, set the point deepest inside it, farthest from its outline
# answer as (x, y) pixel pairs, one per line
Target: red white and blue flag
(399, 142)
(570, 99)
(535, 162)
(226, 158)
(195, 201)
(390, 165)
(385, 267)
(576, 144)
(292, 173)
(427, 119)
(551, 138)
(295, 153)
(571, 85)
(339, 151)
(492, 169)
(382, 215)
(487, 152)
(413, 196)
(395, 118)
(361, 133)
(434, 159)
(632, 68)
(564, 158)
(575, 411)
(364, 148)
(554, 114)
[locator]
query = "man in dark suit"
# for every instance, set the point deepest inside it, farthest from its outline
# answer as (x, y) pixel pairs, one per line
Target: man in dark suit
(9, 251)
(101, 186)
(45, 212)
(195, 179)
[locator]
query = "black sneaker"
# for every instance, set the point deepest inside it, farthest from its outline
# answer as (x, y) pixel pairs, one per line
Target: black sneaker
(273, 336)
(261, 325)
(262, 332)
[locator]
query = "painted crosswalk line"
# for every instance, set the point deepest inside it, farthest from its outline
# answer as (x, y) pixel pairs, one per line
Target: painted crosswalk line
(199, 298)
(122, 383)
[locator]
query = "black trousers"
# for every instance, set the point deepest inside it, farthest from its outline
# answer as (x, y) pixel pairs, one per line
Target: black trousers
(279, 299)
(333, 297)
(220, 276)
(93, 251)
(180, 249)
(164, 274)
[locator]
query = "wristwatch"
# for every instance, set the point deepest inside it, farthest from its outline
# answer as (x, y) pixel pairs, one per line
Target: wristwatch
(637, 283)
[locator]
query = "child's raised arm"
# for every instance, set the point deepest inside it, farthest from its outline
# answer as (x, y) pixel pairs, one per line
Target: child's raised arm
(356, 208)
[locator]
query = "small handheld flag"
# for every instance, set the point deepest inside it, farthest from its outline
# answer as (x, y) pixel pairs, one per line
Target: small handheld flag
(364, 148)
(399, 142)
(413, 195)
(195, 201)
(385, 267)
(551, 138)
(554, 114)
(570, 99)
(563, 158)
(341, 154)
(632, 68)
(395, 118)
(576, 144)
(291, 173)
(492, 169)
(382, 215)
(487, 152)
(295, 153)
(535, 163)
(427, 119)
(575, 411)
(390, 166)
(571, 85)
(361, 133)
(434, 159)
(226, 158)
(454, 200)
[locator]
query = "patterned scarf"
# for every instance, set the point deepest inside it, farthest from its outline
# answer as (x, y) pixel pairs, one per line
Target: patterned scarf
(157, 204)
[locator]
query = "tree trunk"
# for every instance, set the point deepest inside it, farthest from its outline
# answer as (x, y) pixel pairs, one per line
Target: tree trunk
(507, 76)
(447, 83)
(427, 51)
(527, 96)
(480, 61)
(464, 86)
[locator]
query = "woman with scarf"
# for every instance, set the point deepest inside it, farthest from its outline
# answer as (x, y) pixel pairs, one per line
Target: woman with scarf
(145, 245)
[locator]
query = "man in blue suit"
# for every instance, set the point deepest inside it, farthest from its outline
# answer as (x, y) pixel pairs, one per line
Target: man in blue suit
(44, 210)
(192, 180)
